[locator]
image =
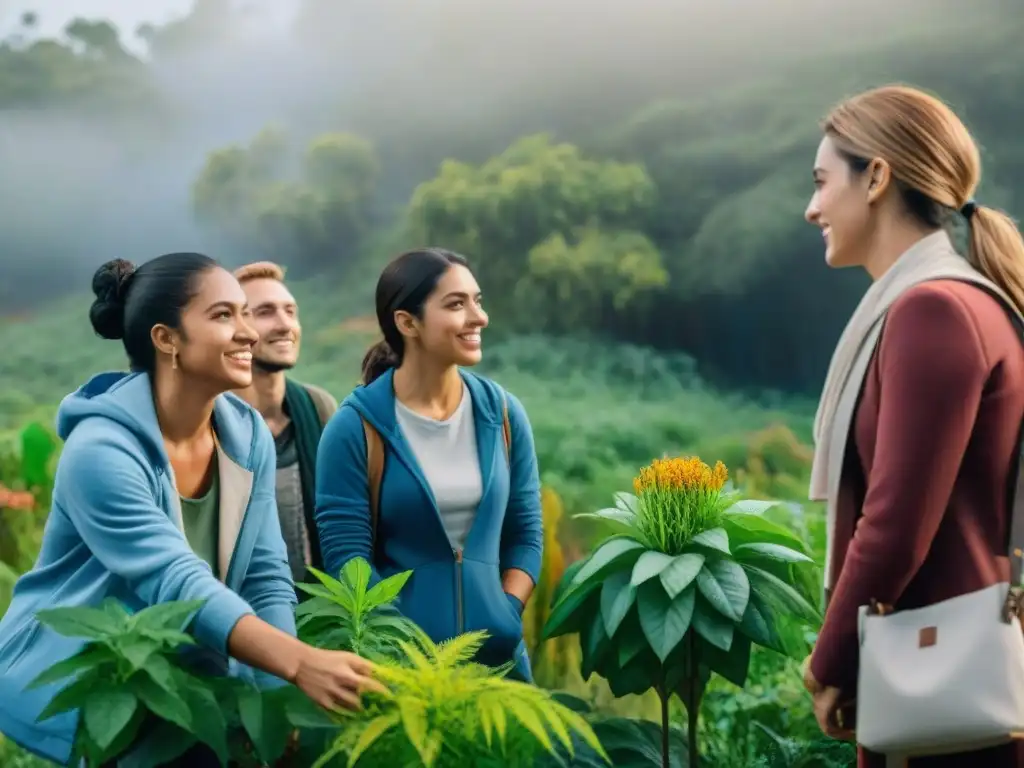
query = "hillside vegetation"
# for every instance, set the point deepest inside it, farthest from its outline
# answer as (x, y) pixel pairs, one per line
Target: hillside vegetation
(670, 216)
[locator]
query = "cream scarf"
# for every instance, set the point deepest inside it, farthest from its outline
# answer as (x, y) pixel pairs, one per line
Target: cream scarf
(932, 258)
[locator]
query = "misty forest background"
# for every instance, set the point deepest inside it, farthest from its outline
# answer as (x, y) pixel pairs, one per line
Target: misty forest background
(628, 179)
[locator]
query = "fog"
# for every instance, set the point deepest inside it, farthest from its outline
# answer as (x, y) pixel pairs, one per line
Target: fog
(423, 80)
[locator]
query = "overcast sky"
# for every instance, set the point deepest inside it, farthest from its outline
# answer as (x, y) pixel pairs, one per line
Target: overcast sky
(127, 14)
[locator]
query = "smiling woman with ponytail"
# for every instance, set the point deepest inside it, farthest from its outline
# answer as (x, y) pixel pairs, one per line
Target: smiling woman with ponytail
(457, 500)
(917, 431)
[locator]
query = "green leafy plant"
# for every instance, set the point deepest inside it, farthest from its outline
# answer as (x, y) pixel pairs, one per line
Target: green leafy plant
(141, 705)
(692, 579)
(442, 710)
(629, 742)
(123, 675)
(348, 615)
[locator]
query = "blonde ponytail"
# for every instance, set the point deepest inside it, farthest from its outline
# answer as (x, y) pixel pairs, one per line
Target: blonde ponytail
(996, 249)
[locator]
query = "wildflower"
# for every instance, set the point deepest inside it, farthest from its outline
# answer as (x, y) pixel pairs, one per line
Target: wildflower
(678, 498)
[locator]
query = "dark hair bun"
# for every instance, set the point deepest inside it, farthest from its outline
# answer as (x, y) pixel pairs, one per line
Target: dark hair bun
(110, 284)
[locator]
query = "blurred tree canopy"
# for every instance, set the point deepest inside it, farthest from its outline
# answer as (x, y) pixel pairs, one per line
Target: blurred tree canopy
(308, 212)
(596, 188)
(88, 69)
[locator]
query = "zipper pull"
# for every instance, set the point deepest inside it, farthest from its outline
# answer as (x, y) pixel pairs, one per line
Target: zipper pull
(458, 555)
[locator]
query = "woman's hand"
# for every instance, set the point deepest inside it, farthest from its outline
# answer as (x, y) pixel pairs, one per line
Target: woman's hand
(335, 679)
(830, 709)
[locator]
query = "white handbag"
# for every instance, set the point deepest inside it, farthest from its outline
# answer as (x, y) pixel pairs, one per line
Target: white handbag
(948, 677)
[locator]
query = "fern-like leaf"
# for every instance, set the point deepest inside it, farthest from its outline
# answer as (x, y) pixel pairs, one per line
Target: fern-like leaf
(373, 731)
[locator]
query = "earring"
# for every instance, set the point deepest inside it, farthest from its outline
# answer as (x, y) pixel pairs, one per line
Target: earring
(174, 358)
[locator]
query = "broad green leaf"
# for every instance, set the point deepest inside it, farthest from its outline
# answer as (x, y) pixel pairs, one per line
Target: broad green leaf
(617, 596)
(681, 572)
(595, 645)
(303, 712)
(267, 725)
(569, 613)
(565, 583)
(78, 622)
(332, 584)
(630, 640)
(750, 529)
(715, 539)
(614, 553)
(724, 583)
(160, 701)
(615, 516)
(734, 664)
(758, 624)
(634, 678)
(161, 745)
(650, 565)
(137, 649)
(173, 615)
(774, 590)
(627, 502)
(107, 711)
(664, 620)
(161, 672)
(712, 625)
(373, 731)
(116, 611)
(170, 638)
(91, 655)
(208, 723)
(315, 590)
(386, 590)
(357, 573)
(751, 507)
(73, 695)
(771, 552)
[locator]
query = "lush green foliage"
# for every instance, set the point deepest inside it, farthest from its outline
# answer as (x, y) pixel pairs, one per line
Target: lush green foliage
(344, 615)
(446, 711)
(660, 211)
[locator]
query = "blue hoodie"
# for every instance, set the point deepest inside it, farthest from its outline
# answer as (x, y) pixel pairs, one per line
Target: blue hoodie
(449, 592)
(114, 531)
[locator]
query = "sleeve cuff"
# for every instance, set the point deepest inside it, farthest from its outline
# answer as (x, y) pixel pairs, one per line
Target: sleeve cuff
(215, 621)
(523, 558)
(515, 602)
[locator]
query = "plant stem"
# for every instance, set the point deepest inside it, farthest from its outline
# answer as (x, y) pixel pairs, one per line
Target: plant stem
(693, 703)
(664, 694)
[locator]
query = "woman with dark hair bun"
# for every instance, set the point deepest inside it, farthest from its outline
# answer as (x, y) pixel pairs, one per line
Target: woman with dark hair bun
(165, 491)
(457, 497)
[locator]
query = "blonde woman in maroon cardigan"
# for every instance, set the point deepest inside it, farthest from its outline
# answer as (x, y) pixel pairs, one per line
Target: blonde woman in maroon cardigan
(917, 476)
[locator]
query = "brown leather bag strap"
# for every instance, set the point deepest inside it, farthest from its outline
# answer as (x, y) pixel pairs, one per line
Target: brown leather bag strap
(374, 474)
(506, 429)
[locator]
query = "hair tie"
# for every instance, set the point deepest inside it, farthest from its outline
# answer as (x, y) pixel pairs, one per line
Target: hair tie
(968, 209)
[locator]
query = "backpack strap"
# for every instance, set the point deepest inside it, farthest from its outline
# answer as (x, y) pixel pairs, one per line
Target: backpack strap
(374, 475)
(506, 428)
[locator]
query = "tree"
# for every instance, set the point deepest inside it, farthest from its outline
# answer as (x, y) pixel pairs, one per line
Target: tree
(309, 213)
(544, 218)
(92, 71)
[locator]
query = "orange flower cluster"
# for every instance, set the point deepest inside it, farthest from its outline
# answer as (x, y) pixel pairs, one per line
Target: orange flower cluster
(688, 473)
(16, 499)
